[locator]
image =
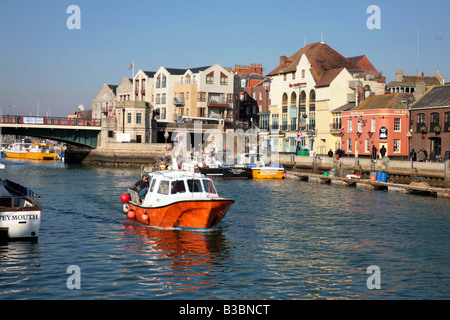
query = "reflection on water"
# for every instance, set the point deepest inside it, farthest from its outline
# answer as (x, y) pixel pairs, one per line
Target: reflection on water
(177, 260)
(280, 240)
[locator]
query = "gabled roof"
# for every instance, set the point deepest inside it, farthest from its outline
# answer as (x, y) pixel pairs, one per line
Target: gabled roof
(149, 74)
(397, 101)
(438, 96)
(321, 57)
(112, 87)
(179, 72)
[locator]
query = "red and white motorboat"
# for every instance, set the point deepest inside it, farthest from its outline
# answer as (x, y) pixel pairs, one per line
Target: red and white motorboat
(177, 199)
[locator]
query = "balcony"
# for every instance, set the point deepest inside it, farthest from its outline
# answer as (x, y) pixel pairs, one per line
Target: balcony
(218, 102)
(335, 128)
(178, 102)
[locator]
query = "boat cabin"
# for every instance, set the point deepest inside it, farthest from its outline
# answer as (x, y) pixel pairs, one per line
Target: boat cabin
(171, 186)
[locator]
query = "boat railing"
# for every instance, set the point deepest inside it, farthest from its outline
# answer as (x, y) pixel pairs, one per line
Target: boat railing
(21, 192)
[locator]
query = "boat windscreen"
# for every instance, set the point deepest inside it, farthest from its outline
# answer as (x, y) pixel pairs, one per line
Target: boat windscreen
(194, 185)
(209, 186)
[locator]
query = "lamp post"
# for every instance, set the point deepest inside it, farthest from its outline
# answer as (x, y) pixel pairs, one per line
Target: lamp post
(166, 136)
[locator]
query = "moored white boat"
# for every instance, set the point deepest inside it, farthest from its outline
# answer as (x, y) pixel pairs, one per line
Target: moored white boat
(20, 213)
(177, 199)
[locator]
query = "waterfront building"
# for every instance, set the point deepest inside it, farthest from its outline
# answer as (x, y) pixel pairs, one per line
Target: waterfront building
(253, 94)
(417, 85)
(104, 103)
(207, 92)
(379, 121)
(142, 86)
(305, 90)
(430, 122)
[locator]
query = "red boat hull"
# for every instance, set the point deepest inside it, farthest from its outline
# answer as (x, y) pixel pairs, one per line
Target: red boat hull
(184, 214)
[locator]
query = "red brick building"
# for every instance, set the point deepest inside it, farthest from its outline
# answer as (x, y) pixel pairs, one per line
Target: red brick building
(430, 122)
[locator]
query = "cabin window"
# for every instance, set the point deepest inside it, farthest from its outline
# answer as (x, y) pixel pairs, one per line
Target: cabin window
(163, 187)
(177, 187)
(194, 185)
(208, 186)
(152, 186)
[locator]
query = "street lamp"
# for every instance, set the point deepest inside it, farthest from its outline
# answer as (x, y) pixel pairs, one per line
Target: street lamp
(11, 106)
(166, 136)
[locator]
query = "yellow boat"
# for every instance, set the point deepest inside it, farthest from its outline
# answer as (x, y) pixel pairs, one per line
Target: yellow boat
(17, 151)
(273, 172)
(39, 151)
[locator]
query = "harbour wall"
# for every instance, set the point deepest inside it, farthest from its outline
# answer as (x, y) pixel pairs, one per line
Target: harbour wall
(399, 171)
(117, 154)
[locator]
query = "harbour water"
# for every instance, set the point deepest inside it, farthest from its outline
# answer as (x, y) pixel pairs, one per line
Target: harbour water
(281, 240)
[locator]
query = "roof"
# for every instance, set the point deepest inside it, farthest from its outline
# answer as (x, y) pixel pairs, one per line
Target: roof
(397, 101)
(438, 96)
(113, 87)
(176, 71)
(321, 57)
(149, 74)
(410, 81)
(346, 107)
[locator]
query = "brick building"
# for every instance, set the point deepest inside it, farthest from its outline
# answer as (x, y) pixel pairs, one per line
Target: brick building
(430, 122)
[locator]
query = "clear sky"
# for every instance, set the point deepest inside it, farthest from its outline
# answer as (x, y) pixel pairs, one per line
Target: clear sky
(42, 60)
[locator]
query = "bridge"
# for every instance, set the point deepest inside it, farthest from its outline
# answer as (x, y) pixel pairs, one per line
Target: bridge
(75, 131)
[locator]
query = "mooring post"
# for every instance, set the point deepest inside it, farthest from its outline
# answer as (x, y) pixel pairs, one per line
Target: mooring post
(447, 173)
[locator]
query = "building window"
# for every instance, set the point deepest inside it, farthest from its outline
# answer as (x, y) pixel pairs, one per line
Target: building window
(360, 125)
(202, 96)
(421, 118)
(163, 84)
(350, 126)
(396, 124)
(396, 145)
(372, 128)
(163, 98)
(367, 146)
(223, 79)
(138, 117)
(158, 98)
(210, 78)
(110, 134)
(349, 145)
(284, 100)
(303, 73)
(129, 117)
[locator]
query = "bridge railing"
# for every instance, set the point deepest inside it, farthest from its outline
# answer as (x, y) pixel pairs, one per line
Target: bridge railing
(9, 119)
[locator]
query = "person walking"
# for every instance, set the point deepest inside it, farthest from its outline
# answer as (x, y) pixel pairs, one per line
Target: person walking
(421, 156)
(383, 151)
(330, 153)
(413, 155)
(374, 152)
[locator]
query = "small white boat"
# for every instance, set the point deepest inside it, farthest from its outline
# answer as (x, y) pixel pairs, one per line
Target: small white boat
(20, 213)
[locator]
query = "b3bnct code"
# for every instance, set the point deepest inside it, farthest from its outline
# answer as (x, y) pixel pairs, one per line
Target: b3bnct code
(245, 309)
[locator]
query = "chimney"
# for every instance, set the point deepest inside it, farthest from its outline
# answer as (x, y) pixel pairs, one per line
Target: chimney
(399, 76)
(283, 60)
(420, 89)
